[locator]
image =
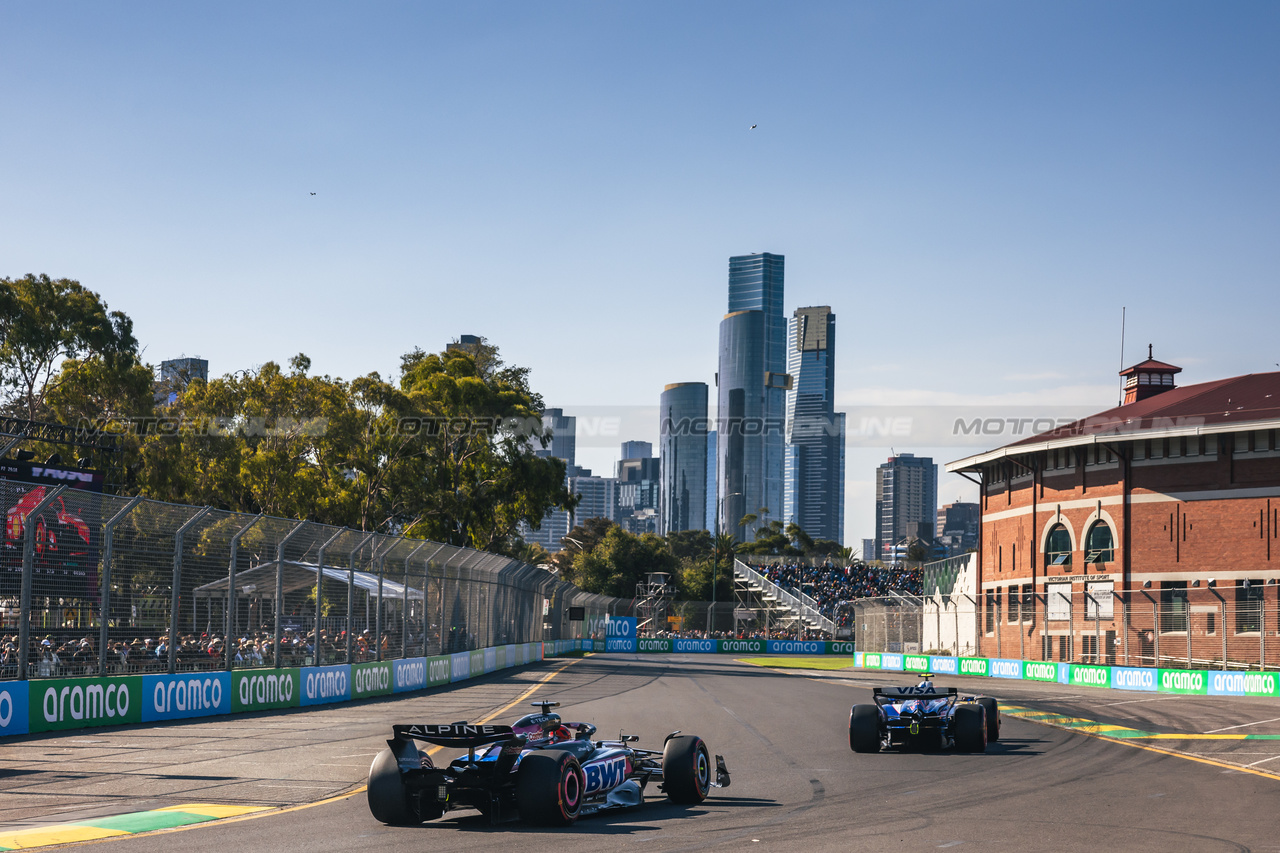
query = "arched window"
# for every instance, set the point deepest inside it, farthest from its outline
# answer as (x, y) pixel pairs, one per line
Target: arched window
(1099, 545)
(1057, 547)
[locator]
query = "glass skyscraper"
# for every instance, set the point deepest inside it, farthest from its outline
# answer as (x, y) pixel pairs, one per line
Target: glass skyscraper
(683, 450)
(814, 475)
(751, 384)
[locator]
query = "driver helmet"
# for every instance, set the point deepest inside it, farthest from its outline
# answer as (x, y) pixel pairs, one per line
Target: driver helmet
(539, 725)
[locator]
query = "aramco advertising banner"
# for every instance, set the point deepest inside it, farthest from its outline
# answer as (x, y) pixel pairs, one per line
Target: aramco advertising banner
(76, 703)
(13, 708)
(620, 634)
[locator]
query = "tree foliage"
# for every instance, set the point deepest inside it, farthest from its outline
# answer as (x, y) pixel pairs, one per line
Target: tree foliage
(51, 331)
(447, 453)
(620, 561)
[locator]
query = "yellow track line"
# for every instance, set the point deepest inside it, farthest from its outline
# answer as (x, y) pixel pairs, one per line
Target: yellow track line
(348, 794)
(1130, 742)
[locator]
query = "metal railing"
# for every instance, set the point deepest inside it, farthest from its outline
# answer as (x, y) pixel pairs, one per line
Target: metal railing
(1208, 627)
(807, 611)
(93, 584)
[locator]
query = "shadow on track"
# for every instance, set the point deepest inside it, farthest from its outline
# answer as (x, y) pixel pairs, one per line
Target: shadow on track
(645, 818)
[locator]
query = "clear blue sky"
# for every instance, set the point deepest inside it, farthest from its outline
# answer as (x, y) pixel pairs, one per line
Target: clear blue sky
(975, 188)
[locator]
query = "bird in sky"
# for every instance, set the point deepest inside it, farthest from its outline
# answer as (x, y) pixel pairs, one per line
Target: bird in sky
(313, 193)
(753, 127)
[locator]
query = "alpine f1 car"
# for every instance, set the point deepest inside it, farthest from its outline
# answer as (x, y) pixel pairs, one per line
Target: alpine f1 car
(925, 717)
(540, 769)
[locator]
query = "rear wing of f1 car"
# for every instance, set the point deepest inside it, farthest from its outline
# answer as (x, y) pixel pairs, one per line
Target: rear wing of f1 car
(461, 735)
(919, 691)
(466, 736)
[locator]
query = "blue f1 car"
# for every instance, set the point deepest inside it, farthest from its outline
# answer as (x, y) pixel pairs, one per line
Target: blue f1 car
(540, 769)
(924, 717)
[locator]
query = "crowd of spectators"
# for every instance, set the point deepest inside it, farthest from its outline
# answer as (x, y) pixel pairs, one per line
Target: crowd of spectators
(829, 584)
(776, 633)
(68, 656)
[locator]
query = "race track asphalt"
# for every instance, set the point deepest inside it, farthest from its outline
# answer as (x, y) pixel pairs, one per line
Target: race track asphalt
(796, 785)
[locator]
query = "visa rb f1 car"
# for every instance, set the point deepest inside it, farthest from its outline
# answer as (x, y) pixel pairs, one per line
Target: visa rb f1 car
(925, 717)
(540, 769)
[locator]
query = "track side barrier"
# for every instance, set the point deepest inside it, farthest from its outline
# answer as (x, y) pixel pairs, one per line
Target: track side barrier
(47, 705)
(1211, 682)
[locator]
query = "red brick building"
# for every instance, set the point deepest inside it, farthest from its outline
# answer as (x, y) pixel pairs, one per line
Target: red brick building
(1147, 532)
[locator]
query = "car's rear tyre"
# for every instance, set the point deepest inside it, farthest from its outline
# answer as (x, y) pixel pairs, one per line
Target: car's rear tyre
(388, 799)
(549, 788)
(686, 770)
(993, 718)
(971, 728)
(864, 728)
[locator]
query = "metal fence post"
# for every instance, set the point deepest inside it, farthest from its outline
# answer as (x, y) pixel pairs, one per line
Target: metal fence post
(1125, 626)
(404, 620)
(1187, 617)
(278, 628)
(28, 568)
(1155, 633)
(444, 577)
(1022, 632)
(377, 615)
(351, 588)
(426, 585)
(1222, 608)
(320, 591)
(229, 616)
(176, 602)
(108, 548)
(999, 626)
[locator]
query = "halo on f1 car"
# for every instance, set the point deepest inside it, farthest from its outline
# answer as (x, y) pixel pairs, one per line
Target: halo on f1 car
(925, 717)
(540, 769)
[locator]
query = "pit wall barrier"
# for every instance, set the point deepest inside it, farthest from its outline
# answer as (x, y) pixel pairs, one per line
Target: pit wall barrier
(47, 705)
(1212, 682)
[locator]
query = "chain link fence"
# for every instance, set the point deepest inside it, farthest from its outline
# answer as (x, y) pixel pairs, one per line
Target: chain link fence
(94, 584)
(1175, 625)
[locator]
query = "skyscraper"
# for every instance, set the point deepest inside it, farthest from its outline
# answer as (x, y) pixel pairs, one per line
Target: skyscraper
(682, 444)
(175, 375)
(751, 383)
(563, 445)
(814, 485)
(906, 501)
(639, 488)
(564, 436)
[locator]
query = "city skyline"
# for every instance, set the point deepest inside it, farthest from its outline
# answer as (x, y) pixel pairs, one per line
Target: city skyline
(924, 168)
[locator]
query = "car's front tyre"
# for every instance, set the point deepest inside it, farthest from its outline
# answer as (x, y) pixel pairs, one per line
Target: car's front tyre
(686, 770)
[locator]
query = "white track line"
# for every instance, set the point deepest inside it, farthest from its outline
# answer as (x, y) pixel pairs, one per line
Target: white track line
(1243, 725)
